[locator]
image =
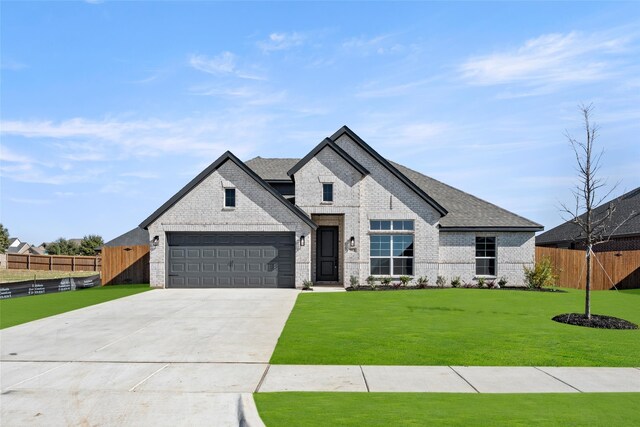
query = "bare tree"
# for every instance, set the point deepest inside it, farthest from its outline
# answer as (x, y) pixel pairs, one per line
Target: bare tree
(593, 229)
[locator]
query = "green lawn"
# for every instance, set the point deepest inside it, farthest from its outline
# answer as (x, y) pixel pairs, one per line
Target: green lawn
(457, 327)
(7, 276)
(25, 309)
(432, 409)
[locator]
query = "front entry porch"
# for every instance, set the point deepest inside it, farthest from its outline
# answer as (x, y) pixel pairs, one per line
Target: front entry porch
(327, 265)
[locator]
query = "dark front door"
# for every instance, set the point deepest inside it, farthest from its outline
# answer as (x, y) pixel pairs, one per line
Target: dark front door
(327, 254)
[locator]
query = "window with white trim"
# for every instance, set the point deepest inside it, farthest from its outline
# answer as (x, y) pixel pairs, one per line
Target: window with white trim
(485, 256)
(229, 197)
(391, 253)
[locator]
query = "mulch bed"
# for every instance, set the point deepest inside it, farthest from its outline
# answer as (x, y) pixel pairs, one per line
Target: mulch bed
(596, 321)
(413, 288)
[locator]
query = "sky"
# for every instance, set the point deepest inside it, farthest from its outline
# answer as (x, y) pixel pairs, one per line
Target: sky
(107, 109)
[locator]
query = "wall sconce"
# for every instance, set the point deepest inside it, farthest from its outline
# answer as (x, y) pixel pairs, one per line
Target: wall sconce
(352, 242)
(155, 241)
(301, 240)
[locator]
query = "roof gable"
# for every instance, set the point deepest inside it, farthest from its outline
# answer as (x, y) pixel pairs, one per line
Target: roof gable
(227, 156)
(384, 162)
(328, 143)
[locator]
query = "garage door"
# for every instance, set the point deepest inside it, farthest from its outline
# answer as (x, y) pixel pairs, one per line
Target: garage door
(231, 260)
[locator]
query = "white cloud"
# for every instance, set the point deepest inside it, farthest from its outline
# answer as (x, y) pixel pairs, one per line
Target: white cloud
(223, 64)
(30, 201)
(281, 41)
(381, 45)
(60, 150)
(141, 175)
(12, 65)
(246, 95)
(220, 64)
(378, 90)
(549, 59)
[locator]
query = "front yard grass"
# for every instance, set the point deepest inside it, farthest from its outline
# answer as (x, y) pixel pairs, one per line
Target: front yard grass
(421, 409)
(8, 276)
(457, 327)
(19, 310)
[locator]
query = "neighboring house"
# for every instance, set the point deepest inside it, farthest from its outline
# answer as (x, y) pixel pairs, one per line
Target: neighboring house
(21, 248)
(341, 211)
(623, 232)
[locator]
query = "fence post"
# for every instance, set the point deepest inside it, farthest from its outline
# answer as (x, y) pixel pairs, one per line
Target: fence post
(73, 263)
(28, 262)
(50, 263)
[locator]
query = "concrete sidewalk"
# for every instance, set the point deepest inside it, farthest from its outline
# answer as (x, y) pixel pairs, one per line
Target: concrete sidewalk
(449, 379)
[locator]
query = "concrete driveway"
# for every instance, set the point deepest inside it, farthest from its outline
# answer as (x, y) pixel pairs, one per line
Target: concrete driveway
(164, 357)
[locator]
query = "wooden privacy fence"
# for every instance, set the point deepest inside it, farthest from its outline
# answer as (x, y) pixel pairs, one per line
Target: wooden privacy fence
(125, 264)
(619, 268)
(53, 262)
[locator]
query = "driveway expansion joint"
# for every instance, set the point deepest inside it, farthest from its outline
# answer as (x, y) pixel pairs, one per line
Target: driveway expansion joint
(264, 375)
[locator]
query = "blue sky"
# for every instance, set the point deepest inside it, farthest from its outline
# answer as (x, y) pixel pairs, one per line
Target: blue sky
(108, 109)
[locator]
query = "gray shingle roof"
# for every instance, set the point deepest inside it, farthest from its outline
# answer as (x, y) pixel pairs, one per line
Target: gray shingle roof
(137, 236)
(272, 169)
(464, 210)
(626, 205)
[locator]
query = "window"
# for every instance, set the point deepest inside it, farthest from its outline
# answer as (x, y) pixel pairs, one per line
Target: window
(390, 225)
(229, 197)
(391, 254)
(485, 256)
(327, 192)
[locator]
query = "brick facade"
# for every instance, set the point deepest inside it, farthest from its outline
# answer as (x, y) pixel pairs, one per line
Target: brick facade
(202, 209)
(357, 199)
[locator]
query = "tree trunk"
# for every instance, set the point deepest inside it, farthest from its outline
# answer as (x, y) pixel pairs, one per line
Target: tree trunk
(587, 301)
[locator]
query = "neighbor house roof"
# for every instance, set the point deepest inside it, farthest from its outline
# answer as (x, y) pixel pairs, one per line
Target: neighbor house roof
(22, 247)
(134, 237)
(627, 207)
(464, 211)
(227, 156)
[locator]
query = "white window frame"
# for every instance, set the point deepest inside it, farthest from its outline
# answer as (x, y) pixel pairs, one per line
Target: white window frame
(391, 233)
(494, 257)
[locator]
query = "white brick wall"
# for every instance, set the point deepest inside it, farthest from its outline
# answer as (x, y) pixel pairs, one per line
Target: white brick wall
(202, 209)
(357, 200)
(514, 251)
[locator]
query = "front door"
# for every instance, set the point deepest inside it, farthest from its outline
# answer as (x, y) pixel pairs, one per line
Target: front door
(327, 254)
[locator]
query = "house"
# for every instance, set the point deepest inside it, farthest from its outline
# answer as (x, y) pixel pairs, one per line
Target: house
(623, 232)
(342, 211)
(16, 246)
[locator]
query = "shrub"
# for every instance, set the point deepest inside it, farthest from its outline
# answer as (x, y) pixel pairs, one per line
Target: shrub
(455, 282)
(371, 281)
(541, 275)
(422, 282)
(385, 281)
(354, 281)
(440, 281)
(307, 285)
(405, 280)
(502, 282)
(481, 281)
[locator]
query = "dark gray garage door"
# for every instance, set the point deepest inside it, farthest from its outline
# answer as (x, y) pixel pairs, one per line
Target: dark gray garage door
(231, 260)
